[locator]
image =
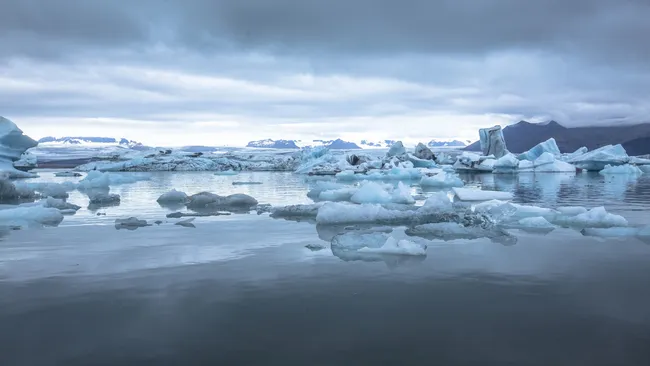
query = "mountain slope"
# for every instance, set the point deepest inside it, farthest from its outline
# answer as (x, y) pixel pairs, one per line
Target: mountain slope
(273, 144)
(524, 135)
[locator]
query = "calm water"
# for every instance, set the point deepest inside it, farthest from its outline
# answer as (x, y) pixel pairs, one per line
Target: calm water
(244, 290)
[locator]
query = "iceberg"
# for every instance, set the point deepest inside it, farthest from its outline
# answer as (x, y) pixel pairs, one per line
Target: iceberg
(227, 172)
(547, 163)
(27, 162)
(473, 162)
(10, 192)
(60, 204)
(394, 247)
(596, 160)
(13, 145)
(469, 194)
(103, 198)
(439, 201)
(335, 195)
(323, 186)
(397, 149)
(626, 169)
(549, 146)
(492, 142)
(173, 196)
(442, 179)
(347, 213)
(422, 152)
(536, 223)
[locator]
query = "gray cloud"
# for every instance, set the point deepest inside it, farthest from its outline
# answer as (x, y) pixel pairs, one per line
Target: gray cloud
(344, 63)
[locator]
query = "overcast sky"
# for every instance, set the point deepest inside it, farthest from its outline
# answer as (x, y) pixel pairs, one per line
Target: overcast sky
(229, 71)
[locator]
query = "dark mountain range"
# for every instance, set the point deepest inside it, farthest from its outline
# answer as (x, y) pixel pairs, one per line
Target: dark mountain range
(339, 144)
(273, 144)
(524, 135)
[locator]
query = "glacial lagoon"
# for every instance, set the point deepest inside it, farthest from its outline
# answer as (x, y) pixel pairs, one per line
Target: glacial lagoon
(245, 289)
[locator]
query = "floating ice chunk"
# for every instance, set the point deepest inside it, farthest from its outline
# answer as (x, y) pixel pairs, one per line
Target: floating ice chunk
(396, 149)
(548, 146)
(30, 215)
(395, 247)
(595, 218)
(421, 163)
(13, 145)
(103, 198)
(336, 195)
(536, 223)
(173, 196)
(557, 166)
(442, 179)
(422, 152)
(596, 160)
(322, 186)
(506, 164)
(296, 211)
(186, 223)
(371, 192)
(502, 211)
(207, 200)
(11, 192)
(468, 194)
(493, 142)
(443, 230)
(227, 172)
(402, 194)
(315, 247)
(67, 174)
(60, 204)
(346, 175)
(131, 223)
(645, 168)
(343, 213)
(626, 169)
(438, 201)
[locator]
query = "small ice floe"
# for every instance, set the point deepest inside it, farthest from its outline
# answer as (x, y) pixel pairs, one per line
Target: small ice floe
(468, 194)
(397, 247)
(30, 215)
(103, 198)
(186, 223)
(132, 223)
(207, 200)
(442, 179)
(60, 204)
(597, 217)
(96, 179)
(627, 169)
(173, 196)
(46, 189)
(296, 211)
(67, 174)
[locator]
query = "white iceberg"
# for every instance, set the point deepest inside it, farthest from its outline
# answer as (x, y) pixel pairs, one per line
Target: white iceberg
(469, 194)
(626, 169)
(173, 196)
(596, 160)
(336, 195)
(442, 179)
(347, 213)
(397, 149)
(439, 201)
(397, 247)
(547, 163)
(549, 146)
(13, 144)
(492, 142)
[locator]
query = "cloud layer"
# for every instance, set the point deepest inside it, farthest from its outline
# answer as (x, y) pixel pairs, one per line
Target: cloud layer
(229, 71)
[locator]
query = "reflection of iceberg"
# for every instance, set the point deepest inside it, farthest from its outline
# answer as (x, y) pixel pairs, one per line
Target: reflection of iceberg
(374, 247)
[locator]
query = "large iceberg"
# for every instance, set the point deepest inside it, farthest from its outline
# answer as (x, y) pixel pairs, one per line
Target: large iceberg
(548, 146)
(12, 146)
(596, 160)
(30, 215)
(96, 179)
(493, 142)
(468, 161)
(508, 163)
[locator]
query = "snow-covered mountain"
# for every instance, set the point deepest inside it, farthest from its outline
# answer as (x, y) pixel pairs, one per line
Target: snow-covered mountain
(383, 144)
(337, 144)
(89, 141)
(453, 143)
(274, 144)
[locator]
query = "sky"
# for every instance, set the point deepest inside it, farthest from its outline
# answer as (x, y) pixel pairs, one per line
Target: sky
(224, 72)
